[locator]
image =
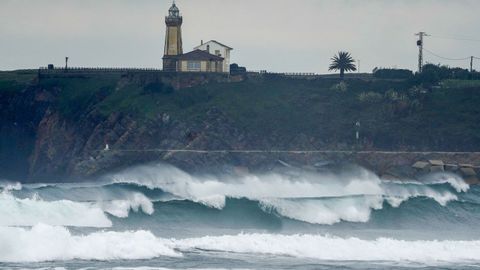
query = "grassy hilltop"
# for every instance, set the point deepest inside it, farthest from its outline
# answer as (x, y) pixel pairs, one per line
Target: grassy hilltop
(394, 114)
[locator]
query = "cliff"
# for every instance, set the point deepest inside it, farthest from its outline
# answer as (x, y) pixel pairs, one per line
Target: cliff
(55, 126)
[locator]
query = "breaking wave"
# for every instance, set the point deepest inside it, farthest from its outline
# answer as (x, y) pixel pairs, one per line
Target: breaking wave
(317, 198)
(309, 197)
(31, 211)
(135, 202)
(336, 248)
(49, 243)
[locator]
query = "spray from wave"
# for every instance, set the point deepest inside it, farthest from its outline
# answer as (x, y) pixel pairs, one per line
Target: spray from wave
(31, 211)
(310, 197)
(317, 198)
(48, 243)
(134, 202)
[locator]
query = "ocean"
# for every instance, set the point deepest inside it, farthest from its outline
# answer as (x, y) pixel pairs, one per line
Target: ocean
(160, 217)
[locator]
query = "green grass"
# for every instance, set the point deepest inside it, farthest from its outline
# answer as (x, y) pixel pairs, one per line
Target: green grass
(14, 81)
(19, 76)
(280, 109)
(270, 107)
(76, 96)
(455, 84)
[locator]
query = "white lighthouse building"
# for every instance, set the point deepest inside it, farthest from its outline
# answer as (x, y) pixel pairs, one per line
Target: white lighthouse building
(216, 48)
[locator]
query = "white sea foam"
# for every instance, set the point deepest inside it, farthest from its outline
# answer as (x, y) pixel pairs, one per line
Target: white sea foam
(338, 249)
(311, 197)
(121, 208)
(47, 243)
(8, 186)
(30, 211)
(448, 178)
(330, 211)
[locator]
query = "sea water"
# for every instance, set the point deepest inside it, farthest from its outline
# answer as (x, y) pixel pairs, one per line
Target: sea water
(159, 217)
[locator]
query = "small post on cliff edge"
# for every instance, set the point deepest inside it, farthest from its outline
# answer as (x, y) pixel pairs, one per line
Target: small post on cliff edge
(357, 135)
(66, 64)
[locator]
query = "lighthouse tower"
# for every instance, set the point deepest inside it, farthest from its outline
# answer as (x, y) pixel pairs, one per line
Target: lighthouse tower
(173, 39)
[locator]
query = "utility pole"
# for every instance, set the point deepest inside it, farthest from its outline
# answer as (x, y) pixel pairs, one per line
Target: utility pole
(357, 131)
(471, 64)
(420, 49)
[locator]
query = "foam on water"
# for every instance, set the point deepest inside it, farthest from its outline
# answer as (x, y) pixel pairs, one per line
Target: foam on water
(338, 249)
(306, 196)
(30, 211)
(51, 243)
(330, 211)
(121, 208)
(318, 198)
(8, 186)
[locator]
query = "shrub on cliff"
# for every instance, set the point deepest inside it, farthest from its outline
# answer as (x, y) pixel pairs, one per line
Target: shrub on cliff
(157, 88)
(370, 97)
(340, 87)
(387, 73)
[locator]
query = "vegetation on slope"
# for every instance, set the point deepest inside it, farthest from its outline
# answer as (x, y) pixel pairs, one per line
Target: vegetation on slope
(394, 114)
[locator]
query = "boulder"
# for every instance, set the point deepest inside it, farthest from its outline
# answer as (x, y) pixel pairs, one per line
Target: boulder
(466, 165)
(451, 167)
(468, 172)
(436, 163)
(435, 169)
(421, 165)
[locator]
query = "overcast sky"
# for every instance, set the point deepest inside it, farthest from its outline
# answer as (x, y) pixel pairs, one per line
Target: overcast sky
(276, 35)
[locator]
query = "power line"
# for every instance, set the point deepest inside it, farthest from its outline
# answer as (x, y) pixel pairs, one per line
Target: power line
(456, 38)
(446, 58)
(421, 48)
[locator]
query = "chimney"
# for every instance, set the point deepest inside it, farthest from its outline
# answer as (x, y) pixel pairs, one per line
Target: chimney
(201, 42)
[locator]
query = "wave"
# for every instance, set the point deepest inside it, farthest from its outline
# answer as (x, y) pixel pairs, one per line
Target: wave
(121, 208)
(48, 243)
(317, 198)
(438, 179)
(337, 249)
(31, 211)
(51, 243)
(305, 196)
(8, 186)
(331, 211)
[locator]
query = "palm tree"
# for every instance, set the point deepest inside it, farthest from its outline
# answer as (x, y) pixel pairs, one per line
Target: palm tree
(342, 61)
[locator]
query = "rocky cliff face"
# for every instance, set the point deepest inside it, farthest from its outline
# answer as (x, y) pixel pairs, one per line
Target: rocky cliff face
(47, 146)
(20, 115)
(41, 142)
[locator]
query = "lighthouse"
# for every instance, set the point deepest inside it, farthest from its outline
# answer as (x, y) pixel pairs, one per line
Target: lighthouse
(173, 39)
